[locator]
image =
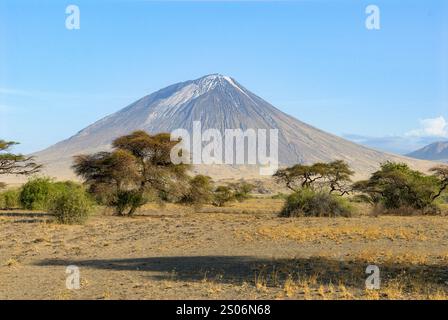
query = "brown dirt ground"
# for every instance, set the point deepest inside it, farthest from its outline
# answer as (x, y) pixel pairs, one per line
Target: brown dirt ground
(240, 252)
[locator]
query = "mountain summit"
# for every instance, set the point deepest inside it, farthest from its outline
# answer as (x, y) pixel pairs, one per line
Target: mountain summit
(218, 102)
(434, 151)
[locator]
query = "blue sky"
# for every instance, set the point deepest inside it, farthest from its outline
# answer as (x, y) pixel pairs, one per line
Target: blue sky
(312, 59)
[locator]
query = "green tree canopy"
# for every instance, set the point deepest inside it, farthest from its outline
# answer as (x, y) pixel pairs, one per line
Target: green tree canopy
(396, 185)
(17, 164)
(333, 175)
(200, 191)
(139, 165)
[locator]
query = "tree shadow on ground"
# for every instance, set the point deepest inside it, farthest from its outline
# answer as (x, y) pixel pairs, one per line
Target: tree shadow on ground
(28, 217)
(24, 214)
(238, 269)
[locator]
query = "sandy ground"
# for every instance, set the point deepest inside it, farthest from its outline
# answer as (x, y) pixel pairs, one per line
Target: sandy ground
(241, 252)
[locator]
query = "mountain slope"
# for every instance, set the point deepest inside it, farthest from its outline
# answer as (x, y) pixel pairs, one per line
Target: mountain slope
(434, 151)
(218, 102)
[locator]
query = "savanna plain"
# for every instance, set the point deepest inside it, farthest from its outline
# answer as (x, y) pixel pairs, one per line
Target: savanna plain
(241, 251)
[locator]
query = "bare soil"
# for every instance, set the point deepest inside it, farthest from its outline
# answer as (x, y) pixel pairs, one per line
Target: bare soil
(240, 252)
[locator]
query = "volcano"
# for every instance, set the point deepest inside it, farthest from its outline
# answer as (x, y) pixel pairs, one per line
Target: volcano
(218, 102)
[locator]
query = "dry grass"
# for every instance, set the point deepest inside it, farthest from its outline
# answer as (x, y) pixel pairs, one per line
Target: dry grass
(356, 229)
(341, 233)
(250, 206)
(239, 252)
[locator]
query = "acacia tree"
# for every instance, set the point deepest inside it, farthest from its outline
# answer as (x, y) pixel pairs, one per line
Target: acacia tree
(17, 164)
(338, 176)
(138, 166)
(333, 175)
(300, 176)
(396, 186)
(441, 173)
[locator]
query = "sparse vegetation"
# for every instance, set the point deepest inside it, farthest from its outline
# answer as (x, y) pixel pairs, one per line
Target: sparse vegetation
(200, 191)
(399, 189)
(321, 258)
(317, 270)
(317, 189)
(239, 191)
(17, 164)
(394, 189)
(222, 195)
(333, 177)
(309, 203)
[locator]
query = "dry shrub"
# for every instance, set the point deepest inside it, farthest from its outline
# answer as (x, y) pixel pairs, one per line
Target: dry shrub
(309, 203)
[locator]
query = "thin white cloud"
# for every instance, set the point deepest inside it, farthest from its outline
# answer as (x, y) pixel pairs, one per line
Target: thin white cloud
(433, 127)
(393, 144)
(431, 130)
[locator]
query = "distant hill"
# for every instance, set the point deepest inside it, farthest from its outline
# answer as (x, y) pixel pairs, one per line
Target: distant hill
(435, 151)
(219, 102)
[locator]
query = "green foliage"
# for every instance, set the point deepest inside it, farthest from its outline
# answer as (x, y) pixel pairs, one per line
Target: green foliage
(103, 194)
(441, 174)
(139, 165)
(36, 193)
(11, 163)
(444, 198)
(334, 176)
(222, 195)
(309, 203)
(17, 164)
(71, 205)
(360, 198)
(242, 190)
(280, 195)
(128, 200)
(232, 192)
(396, 186)
(200, 191)
(9, 199)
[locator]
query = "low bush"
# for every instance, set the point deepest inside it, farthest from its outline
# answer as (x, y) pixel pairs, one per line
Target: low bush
(309, 203)
(71, 206)
(242, 190)
(222, 195)
(128, 201)
(200, 191)
(232, 192)
(9, 199)
(36, 193)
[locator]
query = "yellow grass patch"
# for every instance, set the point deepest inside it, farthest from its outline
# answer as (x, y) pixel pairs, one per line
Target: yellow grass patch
(338, 233)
